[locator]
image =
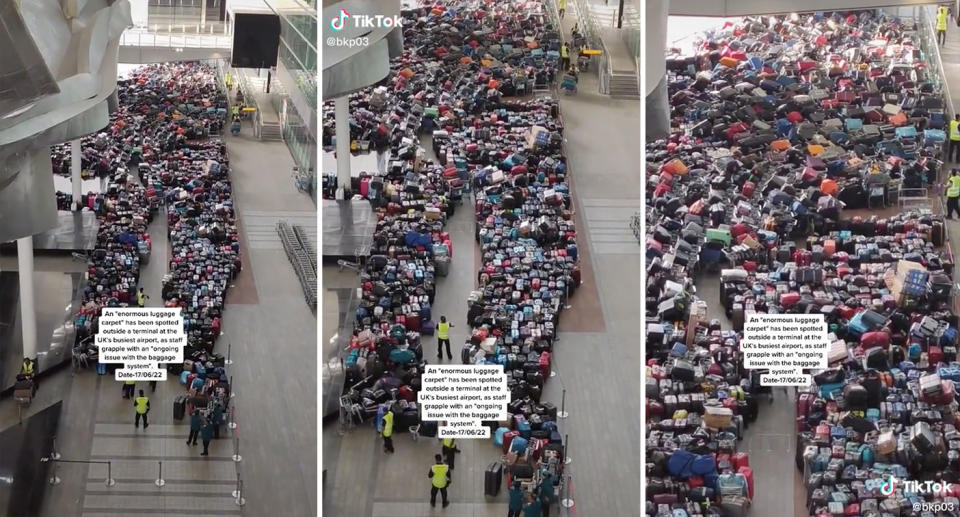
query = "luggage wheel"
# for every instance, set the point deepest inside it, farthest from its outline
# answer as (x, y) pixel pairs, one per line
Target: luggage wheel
(415, 432)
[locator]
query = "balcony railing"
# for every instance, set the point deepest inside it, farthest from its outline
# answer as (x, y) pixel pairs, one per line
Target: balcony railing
(136, 38)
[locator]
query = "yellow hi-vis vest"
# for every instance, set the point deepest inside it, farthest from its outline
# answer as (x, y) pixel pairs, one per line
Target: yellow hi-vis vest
(142, 405)
(449, 443)
(954, 189)
(562, 4)
(942, 19)
(439, 475)
(564, 53)
(443, 330)
(388, 424)
(129, 383)
(141, 299)
(954, 130)
(27, 368)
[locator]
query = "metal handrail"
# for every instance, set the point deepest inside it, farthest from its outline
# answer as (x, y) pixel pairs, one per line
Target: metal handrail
(140, 38)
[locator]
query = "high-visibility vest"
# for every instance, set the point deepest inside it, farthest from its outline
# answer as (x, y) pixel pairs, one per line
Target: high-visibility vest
(130, 383)
(439, 475)
(942, 19)
(236, 110)
(443, 330)
(27, 368)
(954, 130)
(954, 189)
(449, 443)
(564, 53)
(562, 4)
(142, 405)
(388, 424)
(141, 299)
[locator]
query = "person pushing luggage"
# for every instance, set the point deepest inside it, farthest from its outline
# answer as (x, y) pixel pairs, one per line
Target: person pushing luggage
(531, 507)
(440, 478)
(443, 337)
(546, 494)
(516, 500)
(142, 406)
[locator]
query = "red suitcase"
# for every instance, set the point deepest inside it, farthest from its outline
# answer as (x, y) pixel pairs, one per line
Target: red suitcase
(795, 117)
(789, 299)
(406, 393)
(747, 473)
(545, 364)
(508, 439)
(661, 189)
(741, 459)
(803, 258)
(748, 189)
(874, 340)
(804, 402)
(750, 265)
(413, 322)
(852, 510)
(935, 355)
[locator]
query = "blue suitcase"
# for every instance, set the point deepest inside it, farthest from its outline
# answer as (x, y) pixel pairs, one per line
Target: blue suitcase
(428, 327)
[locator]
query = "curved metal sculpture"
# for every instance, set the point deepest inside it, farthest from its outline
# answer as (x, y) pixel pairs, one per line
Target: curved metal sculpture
(58, 72)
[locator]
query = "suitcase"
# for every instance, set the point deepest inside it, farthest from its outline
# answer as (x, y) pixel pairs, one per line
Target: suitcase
(492, 479)
(508, 440)
(428, 328)
(747, 473)
(179, 407)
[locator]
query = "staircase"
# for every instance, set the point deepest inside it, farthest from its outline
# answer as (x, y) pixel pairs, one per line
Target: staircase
(271, 131)
(624, 85)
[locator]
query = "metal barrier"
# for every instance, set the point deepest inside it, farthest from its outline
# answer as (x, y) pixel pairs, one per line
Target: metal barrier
(55, 460)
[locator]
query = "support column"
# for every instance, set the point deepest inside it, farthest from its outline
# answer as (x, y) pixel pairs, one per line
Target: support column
(655, 78)
(342, 113)
(203, 14)
(28, 307)
(76, 181)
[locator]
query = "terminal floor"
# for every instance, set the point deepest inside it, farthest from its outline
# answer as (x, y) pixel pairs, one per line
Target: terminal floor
(273, 337)
(598, 358)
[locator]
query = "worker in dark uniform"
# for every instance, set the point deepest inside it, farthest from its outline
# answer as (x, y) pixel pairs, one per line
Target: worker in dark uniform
(449, 451)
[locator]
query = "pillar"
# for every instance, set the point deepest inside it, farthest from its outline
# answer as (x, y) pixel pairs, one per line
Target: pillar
(76, 181)
(342, 113)
(28, 307)
(655, 78)
(203, 14)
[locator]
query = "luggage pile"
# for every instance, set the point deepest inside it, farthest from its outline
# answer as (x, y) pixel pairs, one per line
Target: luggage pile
(207, 389)
(784, 128)
(204, 239)
(699, 402)
(159, 109)
(531, 445)
(785, 122)
(469, 56)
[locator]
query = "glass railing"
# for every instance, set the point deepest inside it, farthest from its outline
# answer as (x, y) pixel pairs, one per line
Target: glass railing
(139, 38)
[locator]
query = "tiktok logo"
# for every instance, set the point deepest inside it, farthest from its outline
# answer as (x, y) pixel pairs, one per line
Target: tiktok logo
(337, 23)
(888, 487)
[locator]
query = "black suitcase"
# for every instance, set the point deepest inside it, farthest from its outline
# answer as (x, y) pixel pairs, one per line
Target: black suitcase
(492, 478)
(179, 407)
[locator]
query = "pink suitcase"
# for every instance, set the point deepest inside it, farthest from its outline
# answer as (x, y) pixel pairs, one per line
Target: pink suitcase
(545, 364)
(364, 186)
(741, 459)
(747, 473)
